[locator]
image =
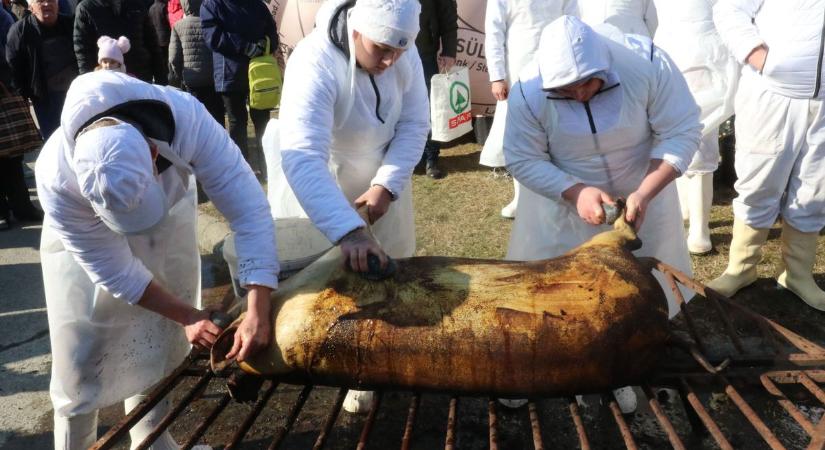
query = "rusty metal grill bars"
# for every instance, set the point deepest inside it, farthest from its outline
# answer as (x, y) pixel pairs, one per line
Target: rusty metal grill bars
(801, 351)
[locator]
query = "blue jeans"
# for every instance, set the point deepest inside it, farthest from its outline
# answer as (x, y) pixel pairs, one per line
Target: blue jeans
(430, 65)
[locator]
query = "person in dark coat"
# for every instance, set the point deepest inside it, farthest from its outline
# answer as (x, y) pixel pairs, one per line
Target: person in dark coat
(14, 194)
(39, 53)
(130, 18)
(235, 30)
(159, 18)
(190, 60)
(439, 29)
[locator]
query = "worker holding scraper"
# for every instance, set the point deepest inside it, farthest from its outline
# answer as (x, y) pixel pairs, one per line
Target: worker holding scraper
(354, 119)
(596, 116)
(121, 266)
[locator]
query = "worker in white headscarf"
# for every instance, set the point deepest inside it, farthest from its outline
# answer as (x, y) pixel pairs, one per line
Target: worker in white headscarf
(687, 33)
(121, 267)
(629, 16)
(353, 122)
(780, 138)
(591, 120)
(512, 30)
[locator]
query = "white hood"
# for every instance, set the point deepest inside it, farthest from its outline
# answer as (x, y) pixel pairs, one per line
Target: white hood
(570, 51)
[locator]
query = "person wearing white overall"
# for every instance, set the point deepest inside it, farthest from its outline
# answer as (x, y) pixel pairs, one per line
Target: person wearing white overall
(353, 122)
(512, 29)
(629, 16)
(687, 33)
(780, 138)
(121, 267)
(591, 120)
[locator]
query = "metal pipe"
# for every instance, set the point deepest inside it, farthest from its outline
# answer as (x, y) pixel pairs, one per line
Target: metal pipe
(330, 421)
(250, 418)
(365, 432)
(199, 432)
(627, 436)
(493, 421)
(700, 411)
(577, 421)
(535, 425)
(408, 427)
(683, 308)
(667, 426)
(175, 412)
(737, 343)
(283, 430)
(750, 414)
(812, 387)
(449, 442)
(787, 404)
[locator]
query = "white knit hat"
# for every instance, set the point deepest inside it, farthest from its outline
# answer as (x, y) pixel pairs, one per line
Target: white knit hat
(115, 172)
(112, 48)
(388, 22)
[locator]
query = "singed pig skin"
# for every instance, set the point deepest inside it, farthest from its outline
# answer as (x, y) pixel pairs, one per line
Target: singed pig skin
(592, 319)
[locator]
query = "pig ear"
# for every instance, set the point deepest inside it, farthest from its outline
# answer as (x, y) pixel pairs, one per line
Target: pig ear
(222, 346)
(123, 44)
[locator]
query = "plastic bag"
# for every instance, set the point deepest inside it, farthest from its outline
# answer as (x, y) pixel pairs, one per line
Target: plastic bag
(450, 105)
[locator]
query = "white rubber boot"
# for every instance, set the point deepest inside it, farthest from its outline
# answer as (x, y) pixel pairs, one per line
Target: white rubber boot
(147, 424)
(75, 432)
(745, 253)
(514, 403)
(682, 188)
(358, 402)
(700, 199)
(509, 211)
(626, 398)
(799, 255)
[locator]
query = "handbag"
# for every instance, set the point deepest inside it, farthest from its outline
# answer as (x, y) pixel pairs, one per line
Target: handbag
(450, 105)
(18, 133)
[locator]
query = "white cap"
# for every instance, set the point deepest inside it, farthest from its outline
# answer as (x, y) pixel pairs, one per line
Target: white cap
(388, 22)
(116, 174)
(570, 51)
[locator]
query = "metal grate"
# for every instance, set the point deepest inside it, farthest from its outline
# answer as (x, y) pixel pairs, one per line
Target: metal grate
(720, 348)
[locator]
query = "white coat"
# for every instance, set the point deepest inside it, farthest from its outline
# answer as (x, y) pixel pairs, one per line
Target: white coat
(780, 119)
(341, 134)
(629, 16)
(644, 111)
(512, 29)
(687, 33)
(105, 348)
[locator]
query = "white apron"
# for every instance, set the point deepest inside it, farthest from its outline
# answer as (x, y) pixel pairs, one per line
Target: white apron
(615, 161)
(103, 349)
(524, 26)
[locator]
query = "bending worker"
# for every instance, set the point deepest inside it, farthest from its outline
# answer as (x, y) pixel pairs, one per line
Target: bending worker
(780, 139)
(120, 260)
(354, 119)
(590, 120)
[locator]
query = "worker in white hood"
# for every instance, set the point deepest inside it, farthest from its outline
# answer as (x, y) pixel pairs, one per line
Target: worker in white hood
(629, 16)
(687, 33)
(512, 30)
(353, 122)
(591, 120)
(780, 138)
(121, 267)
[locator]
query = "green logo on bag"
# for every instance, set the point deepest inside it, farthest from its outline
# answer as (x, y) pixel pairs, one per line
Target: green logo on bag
(459, 96)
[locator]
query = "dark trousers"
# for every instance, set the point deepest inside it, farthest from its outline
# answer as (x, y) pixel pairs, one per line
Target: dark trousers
(430, 65)
(48, 111)
(14, 194)
(235, 104)
(212, 101)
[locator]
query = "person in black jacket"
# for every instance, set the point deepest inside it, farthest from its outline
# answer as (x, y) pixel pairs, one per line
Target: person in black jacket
(39, 53)
(130, 18)
(159, 18)
(439, 28)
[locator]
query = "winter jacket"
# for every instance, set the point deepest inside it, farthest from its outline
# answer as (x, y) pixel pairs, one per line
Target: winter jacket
(629, 16)
(229, 27)
(6, 21)
(23, 53)
(95, 18)
(159, 16)
(793, 31)
(174, 11)
(439, 28)
(190, 60)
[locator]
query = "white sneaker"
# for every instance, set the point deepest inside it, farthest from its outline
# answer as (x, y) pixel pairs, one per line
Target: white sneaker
(626, 398)
(509, 211)
(201, 447)
(358, 402)
(513, 403)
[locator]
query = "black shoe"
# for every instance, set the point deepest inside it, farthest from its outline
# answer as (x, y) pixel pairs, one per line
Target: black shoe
(433, 171)
(28, 214)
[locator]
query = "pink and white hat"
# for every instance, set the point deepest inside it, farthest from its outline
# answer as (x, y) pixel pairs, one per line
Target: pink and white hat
(112, 48)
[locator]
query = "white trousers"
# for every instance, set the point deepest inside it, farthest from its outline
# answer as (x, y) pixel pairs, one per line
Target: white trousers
(80, 432)
(780, 158)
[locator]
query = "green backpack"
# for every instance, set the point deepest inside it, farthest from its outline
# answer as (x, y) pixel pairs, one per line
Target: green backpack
(264, 81)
